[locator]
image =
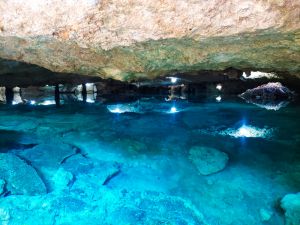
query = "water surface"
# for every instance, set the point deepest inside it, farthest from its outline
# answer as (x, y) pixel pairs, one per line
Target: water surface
(130, 163)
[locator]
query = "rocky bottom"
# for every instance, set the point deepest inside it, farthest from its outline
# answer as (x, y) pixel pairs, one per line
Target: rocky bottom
(157, 162)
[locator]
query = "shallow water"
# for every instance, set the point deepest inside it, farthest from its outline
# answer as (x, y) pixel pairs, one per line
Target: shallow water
(131, 163)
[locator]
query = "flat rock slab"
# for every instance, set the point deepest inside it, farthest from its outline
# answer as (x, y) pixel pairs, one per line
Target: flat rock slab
(208, 160)
(20, 178)
(98, 172)
(48, 155)
(291, 205)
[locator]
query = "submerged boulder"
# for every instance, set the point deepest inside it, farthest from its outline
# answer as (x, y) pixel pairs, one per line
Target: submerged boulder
(21, 178)
(291, 205)
(208, 160)
(49, 155)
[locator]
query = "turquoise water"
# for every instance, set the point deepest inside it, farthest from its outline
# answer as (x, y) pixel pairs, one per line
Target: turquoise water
(139, 162)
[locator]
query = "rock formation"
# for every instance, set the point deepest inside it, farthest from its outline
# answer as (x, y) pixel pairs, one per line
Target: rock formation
(208, 160)
(291, 205)
(128, 40)
(21, 178)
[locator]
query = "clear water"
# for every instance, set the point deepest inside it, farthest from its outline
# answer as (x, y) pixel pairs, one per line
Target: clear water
(103, 167)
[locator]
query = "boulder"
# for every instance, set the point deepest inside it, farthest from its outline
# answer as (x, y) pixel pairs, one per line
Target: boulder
(271, 90)
(291, 205)
(21, 178)
(271, 96)
(49, 155)
(47, 159)
(208, 160)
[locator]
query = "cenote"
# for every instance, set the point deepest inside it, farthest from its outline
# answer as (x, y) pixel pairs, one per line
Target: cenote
(175, 153)
(149, 112)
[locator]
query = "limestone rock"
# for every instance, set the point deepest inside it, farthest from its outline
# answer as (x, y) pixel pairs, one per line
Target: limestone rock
(129, 39)
(265, 214)
(49, 155)
(21, 179)
(61, 179)
(208, 160)
(83, 168)
(270, 96)
(272, 91)
(4, 216)
(291, 205)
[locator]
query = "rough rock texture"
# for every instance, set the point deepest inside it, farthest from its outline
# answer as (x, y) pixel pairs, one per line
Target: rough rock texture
(271, 96)
(291, 205)
(136, 39)
(21, 178)
(271, 90)
(208, 160)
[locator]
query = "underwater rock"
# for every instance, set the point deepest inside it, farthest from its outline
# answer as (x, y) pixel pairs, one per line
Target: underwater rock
(271, 91)
(265, 215)
(154, 208)
(47, 158)
(4, 216)
(48, 155)
(2, 184)
(84, 168)
(208, 160)
(291, 205)
(61, 179)
(129, 145)
(21, 178)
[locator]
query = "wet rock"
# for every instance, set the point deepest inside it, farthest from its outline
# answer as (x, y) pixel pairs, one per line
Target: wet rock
(271, 96)
(265, 215)
(154, 208)
(130, 145)
(4, 216)
(48, 155)
(208, 160)
(61, 179)
(87, 170)
(21, 178)
(291, 205)
(271, 91)
(47, 159)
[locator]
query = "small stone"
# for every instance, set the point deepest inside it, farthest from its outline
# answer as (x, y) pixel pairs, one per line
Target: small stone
(265, 214)
(61, 179)
(291, 205)
(208, 160)
(4, 216)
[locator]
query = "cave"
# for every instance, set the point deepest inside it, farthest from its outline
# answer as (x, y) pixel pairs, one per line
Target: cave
(150, 112)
